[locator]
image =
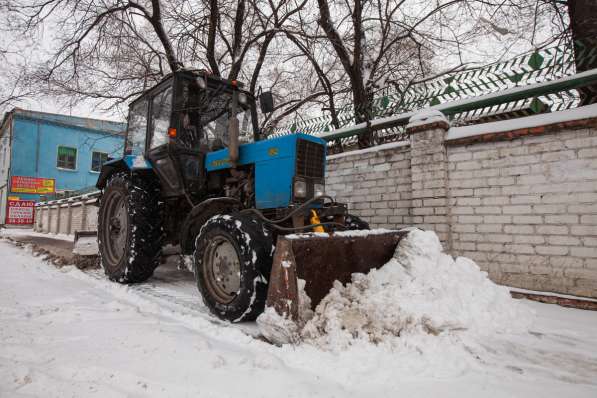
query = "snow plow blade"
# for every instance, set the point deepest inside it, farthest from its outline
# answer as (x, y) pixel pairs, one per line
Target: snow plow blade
(86, 243)
(321, 259)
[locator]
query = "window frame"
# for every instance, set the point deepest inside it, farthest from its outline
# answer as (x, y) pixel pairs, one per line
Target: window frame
(151, 114)
(76, 158)
(100, 167)
(148, 97)
(127, 139)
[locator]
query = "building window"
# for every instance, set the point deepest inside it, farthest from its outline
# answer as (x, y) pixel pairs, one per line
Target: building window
(97, 160)
(67, 158)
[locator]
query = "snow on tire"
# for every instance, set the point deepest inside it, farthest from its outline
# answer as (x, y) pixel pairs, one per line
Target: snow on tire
(129, 228)
(232, 262)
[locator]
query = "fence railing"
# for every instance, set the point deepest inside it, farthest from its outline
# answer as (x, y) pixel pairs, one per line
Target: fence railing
(67, 194)
(67, 216)
(537, 67)
(461, 107)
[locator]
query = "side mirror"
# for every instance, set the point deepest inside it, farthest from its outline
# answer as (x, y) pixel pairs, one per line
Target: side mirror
(266, 102)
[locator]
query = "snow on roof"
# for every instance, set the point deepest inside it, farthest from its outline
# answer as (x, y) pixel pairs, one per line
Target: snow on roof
(73, 121)
(584, 112)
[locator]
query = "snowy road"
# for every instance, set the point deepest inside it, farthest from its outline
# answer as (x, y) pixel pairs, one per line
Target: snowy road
(66, 333)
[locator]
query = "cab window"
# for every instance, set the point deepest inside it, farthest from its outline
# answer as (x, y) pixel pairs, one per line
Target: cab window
(137, 128)
(161, 107)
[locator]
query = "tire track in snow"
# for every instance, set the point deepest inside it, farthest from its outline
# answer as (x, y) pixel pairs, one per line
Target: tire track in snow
(179, 297)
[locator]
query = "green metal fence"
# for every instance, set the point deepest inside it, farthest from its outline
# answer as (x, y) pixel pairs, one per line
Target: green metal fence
(69, 194)
(541, 66)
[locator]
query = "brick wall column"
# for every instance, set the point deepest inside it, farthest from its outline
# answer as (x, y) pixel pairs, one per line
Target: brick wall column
(69, 219)
(83, 215)
(38, 219)
(429, 174)
(58, 218)
(50, 219)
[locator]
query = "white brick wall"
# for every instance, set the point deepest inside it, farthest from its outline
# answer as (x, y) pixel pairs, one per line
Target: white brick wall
(64, 215)
(525, 210)
(375, 185)
(91, 217)
(54, 219)
(77, 218)
(82, 218)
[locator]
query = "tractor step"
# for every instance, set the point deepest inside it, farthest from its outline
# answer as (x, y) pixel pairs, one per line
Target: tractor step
(86, 243)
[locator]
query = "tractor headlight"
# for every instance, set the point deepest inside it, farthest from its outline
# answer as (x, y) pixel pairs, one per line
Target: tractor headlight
(201, 83)
(318, 190)
(300, 189)
(242, 98)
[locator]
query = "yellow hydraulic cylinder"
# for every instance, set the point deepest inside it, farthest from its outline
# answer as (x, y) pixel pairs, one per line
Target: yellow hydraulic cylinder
(315, 220)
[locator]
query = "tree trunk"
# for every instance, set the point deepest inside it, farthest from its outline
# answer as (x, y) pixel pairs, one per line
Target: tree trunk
(362, 100)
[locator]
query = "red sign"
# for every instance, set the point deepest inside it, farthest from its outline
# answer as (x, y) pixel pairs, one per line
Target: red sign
(36, 185)
(20, 212)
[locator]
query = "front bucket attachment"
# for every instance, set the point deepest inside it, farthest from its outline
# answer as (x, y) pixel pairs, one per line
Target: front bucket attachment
(86, 243)
(321, 259)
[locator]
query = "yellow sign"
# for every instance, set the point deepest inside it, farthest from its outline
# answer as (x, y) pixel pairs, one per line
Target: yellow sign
(273, 151)
(23, 184)
(13, 198)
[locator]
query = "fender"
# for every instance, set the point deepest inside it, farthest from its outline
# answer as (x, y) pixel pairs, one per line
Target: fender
(127, 163)
(199, 215)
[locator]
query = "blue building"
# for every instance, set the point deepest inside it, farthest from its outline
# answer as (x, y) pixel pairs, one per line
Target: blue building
(43, 152)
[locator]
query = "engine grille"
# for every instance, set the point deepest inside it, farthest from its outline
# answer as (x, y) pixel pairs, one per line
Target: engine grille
(310, 158)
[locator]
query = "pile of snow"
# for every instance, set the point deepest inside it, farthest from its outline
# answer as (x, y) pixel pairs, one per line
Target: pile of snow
(421, 290)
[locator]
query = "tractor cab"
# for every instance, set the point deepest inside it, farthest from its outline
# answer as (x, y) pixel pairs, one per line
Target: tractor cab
(187, 115)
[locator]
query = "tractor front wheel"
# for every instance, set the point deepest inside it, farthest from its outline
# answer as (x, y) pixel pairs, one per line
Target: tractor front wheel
(233, 257)
(129, 228)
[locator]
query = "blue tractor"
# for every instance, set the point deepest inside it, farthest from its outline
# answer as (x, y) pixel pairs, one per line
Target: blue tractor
(196, 175)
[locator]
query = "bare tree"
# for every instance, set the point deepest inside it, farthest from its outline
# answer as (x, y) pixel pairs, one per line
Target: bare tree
(232, 38)
(313, 54)
(387, 42)
(107, 51)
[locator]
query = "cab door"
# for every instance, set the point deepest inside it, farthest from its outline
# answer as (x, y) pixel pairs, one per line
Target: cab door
(178, 167)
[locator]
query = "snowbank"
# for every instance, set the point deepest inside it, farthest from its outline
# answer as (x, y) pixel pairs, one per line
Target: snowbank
(421, 291)
(64, 332)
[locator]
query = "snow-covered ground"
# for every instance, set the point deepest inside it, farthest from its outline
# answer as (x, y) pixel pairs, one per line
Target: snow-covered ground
(17, 232)
(67, 333)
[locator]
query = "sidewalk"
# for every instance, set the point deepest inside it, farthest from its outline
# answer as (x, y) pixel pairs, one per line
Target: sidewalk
(58, 248)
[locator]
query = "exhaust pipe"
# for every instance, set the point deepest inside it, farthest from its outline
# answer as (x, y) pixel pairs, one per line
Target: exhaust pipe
(233, 130)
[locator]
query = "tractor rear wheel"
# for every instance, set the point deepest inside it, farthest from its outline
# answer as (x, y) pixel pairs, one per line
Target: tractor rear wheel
(233, 257)
(129, 228)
